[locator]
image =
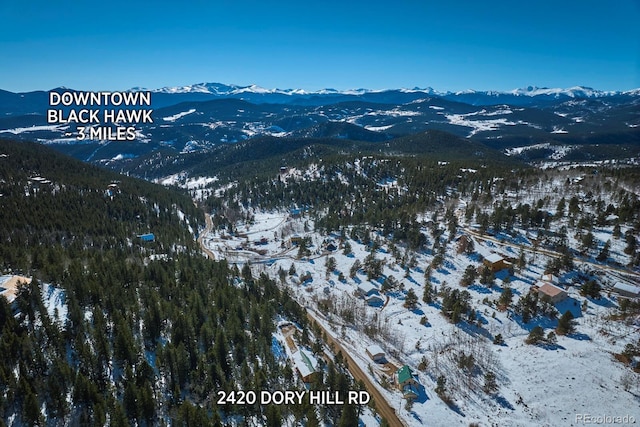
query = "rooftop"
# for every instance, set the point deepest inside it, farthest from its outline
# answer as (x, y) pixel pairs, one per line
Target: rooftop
(9, 286)
(493, 258)
(367, 287)
(632, 289)
(375, 349)
(305, 362)
(551, 290)
(404, 374)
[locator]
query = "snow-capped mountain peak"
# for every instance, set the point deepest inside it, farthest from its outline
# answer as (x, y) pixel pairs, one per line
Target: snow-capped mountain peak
(572, 92)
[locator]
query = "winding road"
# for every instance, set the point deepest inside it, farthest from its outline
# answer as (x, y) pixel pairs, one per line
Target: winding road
(382, 406)
(207, 230)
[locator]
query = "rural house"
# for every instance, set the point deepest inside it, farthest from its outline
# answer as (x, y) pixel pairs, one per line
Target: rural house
(376, 353)
(495, 262)
(555, 293)
(407, 383)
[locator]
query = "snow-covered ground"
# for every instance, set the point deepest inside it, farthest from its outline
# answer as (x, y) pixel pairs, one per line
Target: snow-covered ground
(548, 386)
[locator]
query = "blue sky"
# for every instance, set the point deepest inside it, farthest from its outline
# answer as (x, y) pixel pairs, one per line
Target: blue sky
(453, 45)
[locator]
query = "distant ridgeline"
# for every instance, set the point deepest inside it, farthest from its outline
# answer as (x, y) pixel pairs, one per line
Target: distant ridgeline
(116, 327)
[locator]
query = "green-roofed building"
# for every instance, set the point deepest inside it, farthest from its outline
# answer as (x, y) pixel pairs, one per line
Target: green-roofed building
(407, 383)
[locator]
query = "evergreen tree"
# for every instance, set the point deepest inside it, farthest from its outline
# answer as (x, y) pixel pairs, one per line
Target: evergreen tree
(469, 276)
(353, 271)
(535, 336)
(522, 262)
(590, 289)
(487, 277)
(566, 324)
(490, 383)
(505, 297)
(441, 387)
(349, 416)
(630, 249)
(410, 300)
(604, 253)
(427, 295)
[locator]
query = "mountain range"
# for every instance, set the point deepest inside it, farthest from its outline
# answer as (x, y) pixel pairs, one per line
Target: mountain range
(198, 117)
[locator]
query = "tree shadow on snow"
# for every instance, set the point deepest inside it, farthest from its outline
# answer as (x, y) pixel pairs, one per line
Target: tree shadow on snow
(417, 417)
(435, 305)
(550, 346)
(502, 401)
(580, 336)
(455, 408)
(474, 330)
(570, 304)
(422, 395)
(603, 302)
(481, 289)
(449, 265)
(412, 280)
(474, 257)
(542, 321)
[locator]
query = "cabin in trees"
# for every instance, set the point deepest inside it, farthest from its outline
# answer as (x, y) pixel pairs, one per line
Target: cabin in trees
(368, 292)
(626, 291)
(306, 365)
(376, 353)
(9, 286)
(555, 293)
(147, 237)
(366, 289)
(331, 247)
(495, 262)
(295, 240)
(407, 383)
(374, 301)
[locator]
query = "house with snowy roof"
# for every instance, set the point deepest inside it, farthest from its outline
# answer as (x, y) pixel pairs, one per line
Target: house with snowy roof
(495, 262)
(374, 300)
(306, 365)
(369, 293)
(366, 289)
(376, 353)
(627, 291)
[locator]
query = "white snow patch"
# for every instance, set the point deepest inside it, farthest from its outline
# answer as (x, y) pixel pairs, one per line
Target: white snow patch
(17, 131)
(54, 300)
(478, 125)
(557, 129)
(179, 115)
(378, 128)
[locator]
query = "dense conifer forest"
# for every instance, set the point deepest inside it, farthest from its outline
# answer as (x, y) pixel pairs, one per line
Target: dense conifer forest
(153, 329)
